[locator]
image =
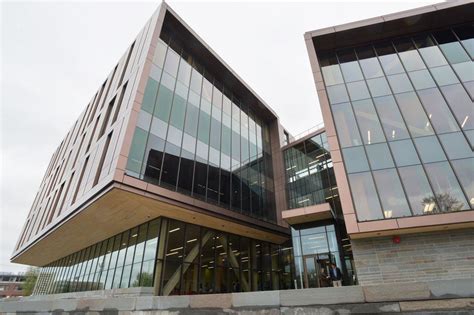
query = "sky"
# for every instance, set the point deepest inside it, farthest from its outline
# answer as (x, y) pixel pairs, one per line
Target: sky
(55, 55)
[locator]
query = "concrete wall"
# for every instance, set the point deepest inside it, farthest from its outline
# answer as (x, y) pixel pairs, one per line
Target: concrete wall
(455, 297)
(418, 257)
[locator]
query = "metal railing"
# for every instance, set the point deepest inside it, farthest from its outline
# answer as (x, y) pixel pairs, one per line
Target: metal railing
(305, 133)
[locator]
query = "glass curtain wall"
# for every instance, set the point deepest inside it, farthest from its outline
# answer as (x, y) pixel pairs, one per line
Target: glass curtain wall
(194, 136)
(310, 175)
(184, 258)
(315, 247)
(403, 111)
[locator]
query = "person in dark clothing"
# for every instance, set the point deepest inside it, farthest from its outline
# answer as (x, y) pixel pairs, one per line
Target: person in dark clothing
(335, 275)
(323, 279)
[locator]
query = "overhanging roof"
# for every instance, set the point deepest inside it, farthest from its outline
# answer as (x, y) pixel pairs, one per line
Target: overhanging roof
(392, 25)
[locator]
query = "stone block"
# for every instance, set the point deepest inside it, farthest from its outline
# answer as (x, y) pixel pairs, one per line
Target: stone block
(451, 288)
(263, 298)
(396, 292)
(144, 303)
(65, 305)
(171, 302)
(120, 303)
(322, 296)
(211, 301)
(363, 308)
(437, 305)
(9, 306)
(88, 304)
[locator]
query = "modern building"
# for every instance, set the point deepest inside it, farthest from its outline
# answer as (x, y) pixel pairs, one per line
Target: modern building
(396, 93)
(11, 284)
(178, 176)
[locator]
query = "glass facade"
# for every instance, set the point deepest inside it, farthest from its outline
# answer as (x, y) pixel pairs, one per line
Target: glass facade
(315, 247)
(310, 175)
(403, 111)
(181, 258)
(194, 136)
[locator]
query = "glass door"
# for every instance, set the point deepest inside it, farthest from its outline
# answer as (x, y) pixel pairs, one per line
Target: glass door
(311, 272)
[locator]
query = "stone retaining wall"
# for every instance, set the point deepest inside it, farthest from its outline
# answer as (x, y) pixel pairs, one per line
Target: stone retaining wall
(452, 296)
(443, 255)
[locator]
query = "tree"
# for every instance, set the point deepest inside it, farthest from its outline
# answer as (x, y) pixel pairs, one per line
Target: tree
(31, 276)
(445, 201)
(146, 280)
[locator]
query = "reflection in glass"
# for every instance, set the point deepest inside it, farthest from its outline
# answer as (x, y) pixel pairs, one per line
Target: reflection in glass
(448, 192)
(358, 90)
(421, 79)
(444, 75)
(456, 146)
(415, 117)
(464, 171)
(365, 197)
(418, 190)
(346, 125)
(337, 94)
(461, 105)
(391, 194)
(429, 149)
(378, 87)
(332, 75)
(355, 159)
(379, 156)
(391, 119)
(369, 125)
(404, 152)
(400, 83)
(388, 58)
(438, 111)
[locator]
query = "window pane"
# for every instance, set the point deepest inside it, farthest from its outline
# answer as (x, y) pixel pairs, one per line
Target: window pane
(378, 87)
(148, 103)
(337, 94)
(379, 156)
(365, 197)
(418, 189)
(429, 149)
(160, 53)
(456, 145)
(351, 71)
(332, 75)
(444, 75)
(438, 111)
(415, 117)
(355, 160)
(371, 68)
(358, 90)
(454, 52)
(391, 194)
(172, 62)
(464, 171)
(346, 125)
(137, 150)
(404, 152)
(448, 193)
(392, 121)
(400, 83)
(421, 79)
(412, 60)
(470, 137)
(390, 63)
(184, 72)
(369, 125)
(460, 104)
(433, 56)
(465, 70)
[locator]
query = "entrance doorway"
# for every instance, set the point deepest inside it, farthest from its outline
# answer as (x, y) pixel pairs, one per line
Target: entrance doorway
(313, 266)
